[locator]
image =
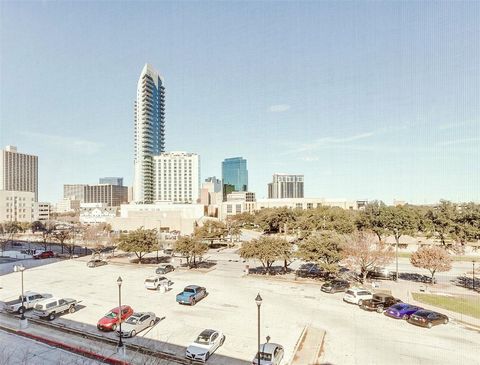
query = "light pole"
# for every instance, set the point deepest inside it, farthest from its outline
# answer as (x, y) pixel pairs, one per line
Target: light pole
(119, 282)
(21, 269)
(258, 300)
(473, 274)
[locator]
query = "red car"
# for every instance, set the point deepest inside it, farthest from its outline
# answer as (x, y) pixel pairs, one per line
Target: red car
(109, 321)
(44, 255)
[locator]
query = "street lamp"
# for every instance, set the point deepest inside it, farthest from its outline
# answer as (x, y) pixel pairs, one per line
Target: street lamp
(258, 300)
(473, 274)
(21, 268)
(119, 282)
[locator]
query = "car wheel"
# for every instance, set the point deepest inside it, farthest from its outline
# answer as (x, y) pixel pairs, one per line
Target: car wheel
(114, 327)
(360, 302)
(429, 325)
(380, 309)
(193, 302)
(405, 316)
(21, 310)
(51, 316)
(71, 309)
(207, 356)
(331, 291)
(152, 323)
(445, 321)
(133, 333)
(222, 340)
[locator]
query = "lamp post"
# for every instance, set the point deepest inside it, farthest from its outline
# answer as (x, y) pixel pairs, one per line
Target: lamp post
(258, 300)
(21, 269)
(473, 274)
(119, 282)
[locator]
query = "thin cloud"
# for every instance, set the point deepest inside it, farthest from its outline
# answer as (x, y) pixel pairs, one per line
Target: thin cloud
(455, 124)
(278, 108)
(72, 144)
(459, 141)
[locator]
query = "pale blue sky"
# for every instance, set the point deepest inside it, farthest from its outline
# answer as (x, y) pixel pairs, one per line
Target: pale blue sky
(376, 100)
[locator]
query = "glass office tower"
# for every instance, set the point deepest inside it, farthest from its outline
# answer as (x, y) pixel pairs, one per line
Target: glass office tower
(234, 175)
(149, 132)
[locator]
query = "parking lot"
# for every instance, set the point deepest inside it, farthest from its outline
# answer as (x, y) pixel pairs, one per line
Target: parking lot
(353, 335)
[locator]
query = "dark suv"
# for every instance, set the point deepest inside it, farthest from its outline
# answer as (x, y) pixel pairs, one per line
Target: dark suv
(379, 302)
(382, 273)
(335, 286)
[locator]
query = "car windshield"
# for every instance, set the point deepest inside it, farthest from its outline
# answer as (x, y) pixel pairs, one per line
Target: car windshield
(132, 320)
(189, 290)
(399, 306)
(422, 314)
(203, 339)
(111, 315)
(265, 356)
(149, 280)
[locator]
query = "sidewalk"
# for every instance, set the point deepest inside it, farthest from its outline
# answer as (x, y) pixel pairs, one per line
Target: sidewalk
(309, 347)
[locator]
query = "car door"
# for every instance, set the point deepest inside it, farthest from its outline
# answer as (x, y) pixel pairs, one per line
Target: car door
(143, 322)
(278, 355)
(124, 313)
(214, 341)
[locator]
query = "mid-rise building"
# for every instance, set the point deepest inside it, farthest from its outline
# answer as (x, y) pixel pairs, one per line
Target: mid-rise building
(42, 211)
(234, 175)
(216, 183)
(18, 171)
(112, 195)
(149, 132)
(111, 181)
(238, 202)
(67, 206)
(285, 186)
(95, 213)
(17, 206)
(177, 177)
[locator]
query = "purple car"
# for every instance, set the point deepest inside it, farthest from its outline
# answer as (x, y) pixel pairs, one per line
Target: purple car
(401, 310)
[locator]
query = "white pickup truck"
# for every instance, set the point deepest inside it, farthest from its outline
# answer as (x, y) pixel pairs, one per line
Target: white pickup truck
(49, 308)
(29, 301)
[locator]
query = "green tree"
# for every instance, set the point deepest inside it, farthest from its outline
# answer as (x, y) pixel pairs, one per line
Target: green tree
(467, 223)
(275, 220)
(364, 252)
(190, 247)
(324, 248)
(140, 242)
(440, 221)
(267, 250)
(211, 231)
(372, 218)
(400, 220)
(37, 226)
(432, 258)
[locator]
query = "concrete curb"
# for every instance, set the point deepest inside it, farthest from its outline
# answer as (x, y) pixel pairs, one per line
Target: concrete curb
(297, 345)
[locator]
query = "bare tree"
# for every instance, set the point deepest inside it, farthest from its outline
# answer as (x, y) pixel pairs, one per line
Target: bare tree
(364, 252)
(432, 258)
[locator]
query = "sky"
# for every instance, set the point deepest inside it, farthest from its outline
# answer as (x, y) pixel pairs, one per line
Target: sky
(369, 100)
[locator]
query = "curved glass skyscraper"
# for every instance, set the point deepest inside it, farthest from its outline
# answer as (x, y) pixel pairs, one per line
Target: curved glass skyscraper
(234, 175)
(149, 132)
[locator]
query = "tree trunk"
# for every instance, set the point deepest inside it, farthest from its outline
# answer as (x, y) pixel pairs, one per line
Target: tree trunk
(364, 275)
(433, 274)
(61, 244)
(379, 236)
(397, 241)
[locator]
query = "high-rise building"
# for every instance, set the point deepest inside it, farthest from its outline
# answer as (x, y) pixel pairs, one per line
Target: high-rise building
(285, 186)
(112, 195)
(217, 183)
(18, 171)
(234, 175)
(111, 181)
(177, 177)
(149, 131)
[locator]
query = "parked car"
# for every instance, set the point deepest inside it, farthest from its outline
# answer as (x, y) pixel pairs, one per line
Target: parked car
(270, 354)
(381, 273)
(136, 323)
(379, 302)
(155, 282)
(164, 269)
(205, 345)
(44, 255)
(191, 294)
(109, 321)
(29, 301)
(401, 310)
(96, 262)
(357, 295)
(427, 318)
(335, 286)
(309, 270)
(168, 251)
(49, 308)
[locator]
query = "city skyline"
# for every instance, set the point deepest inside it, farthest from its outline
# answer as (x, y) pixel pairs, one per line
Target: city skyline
(367, 101)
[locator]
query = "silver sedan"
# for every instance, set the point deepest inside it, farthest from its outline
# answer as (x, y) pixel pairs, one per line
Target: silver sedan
(136, 323)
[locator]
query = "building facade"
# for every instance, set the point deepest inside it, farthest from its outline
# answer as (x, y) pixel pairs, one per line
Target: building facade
(18, 171)
(74, 192)
(95, 213)
(42, 211)
(17, 206)
(111, 181)
(149, 132)
(216, 183)
(67, 206)
(177, 177)
(112, 195)
(234, 175)
(286, 186)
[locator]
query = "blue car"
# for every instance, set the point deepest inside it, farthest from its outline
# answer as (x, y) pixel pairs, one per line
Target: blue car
(191, 295)
(401, 310)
